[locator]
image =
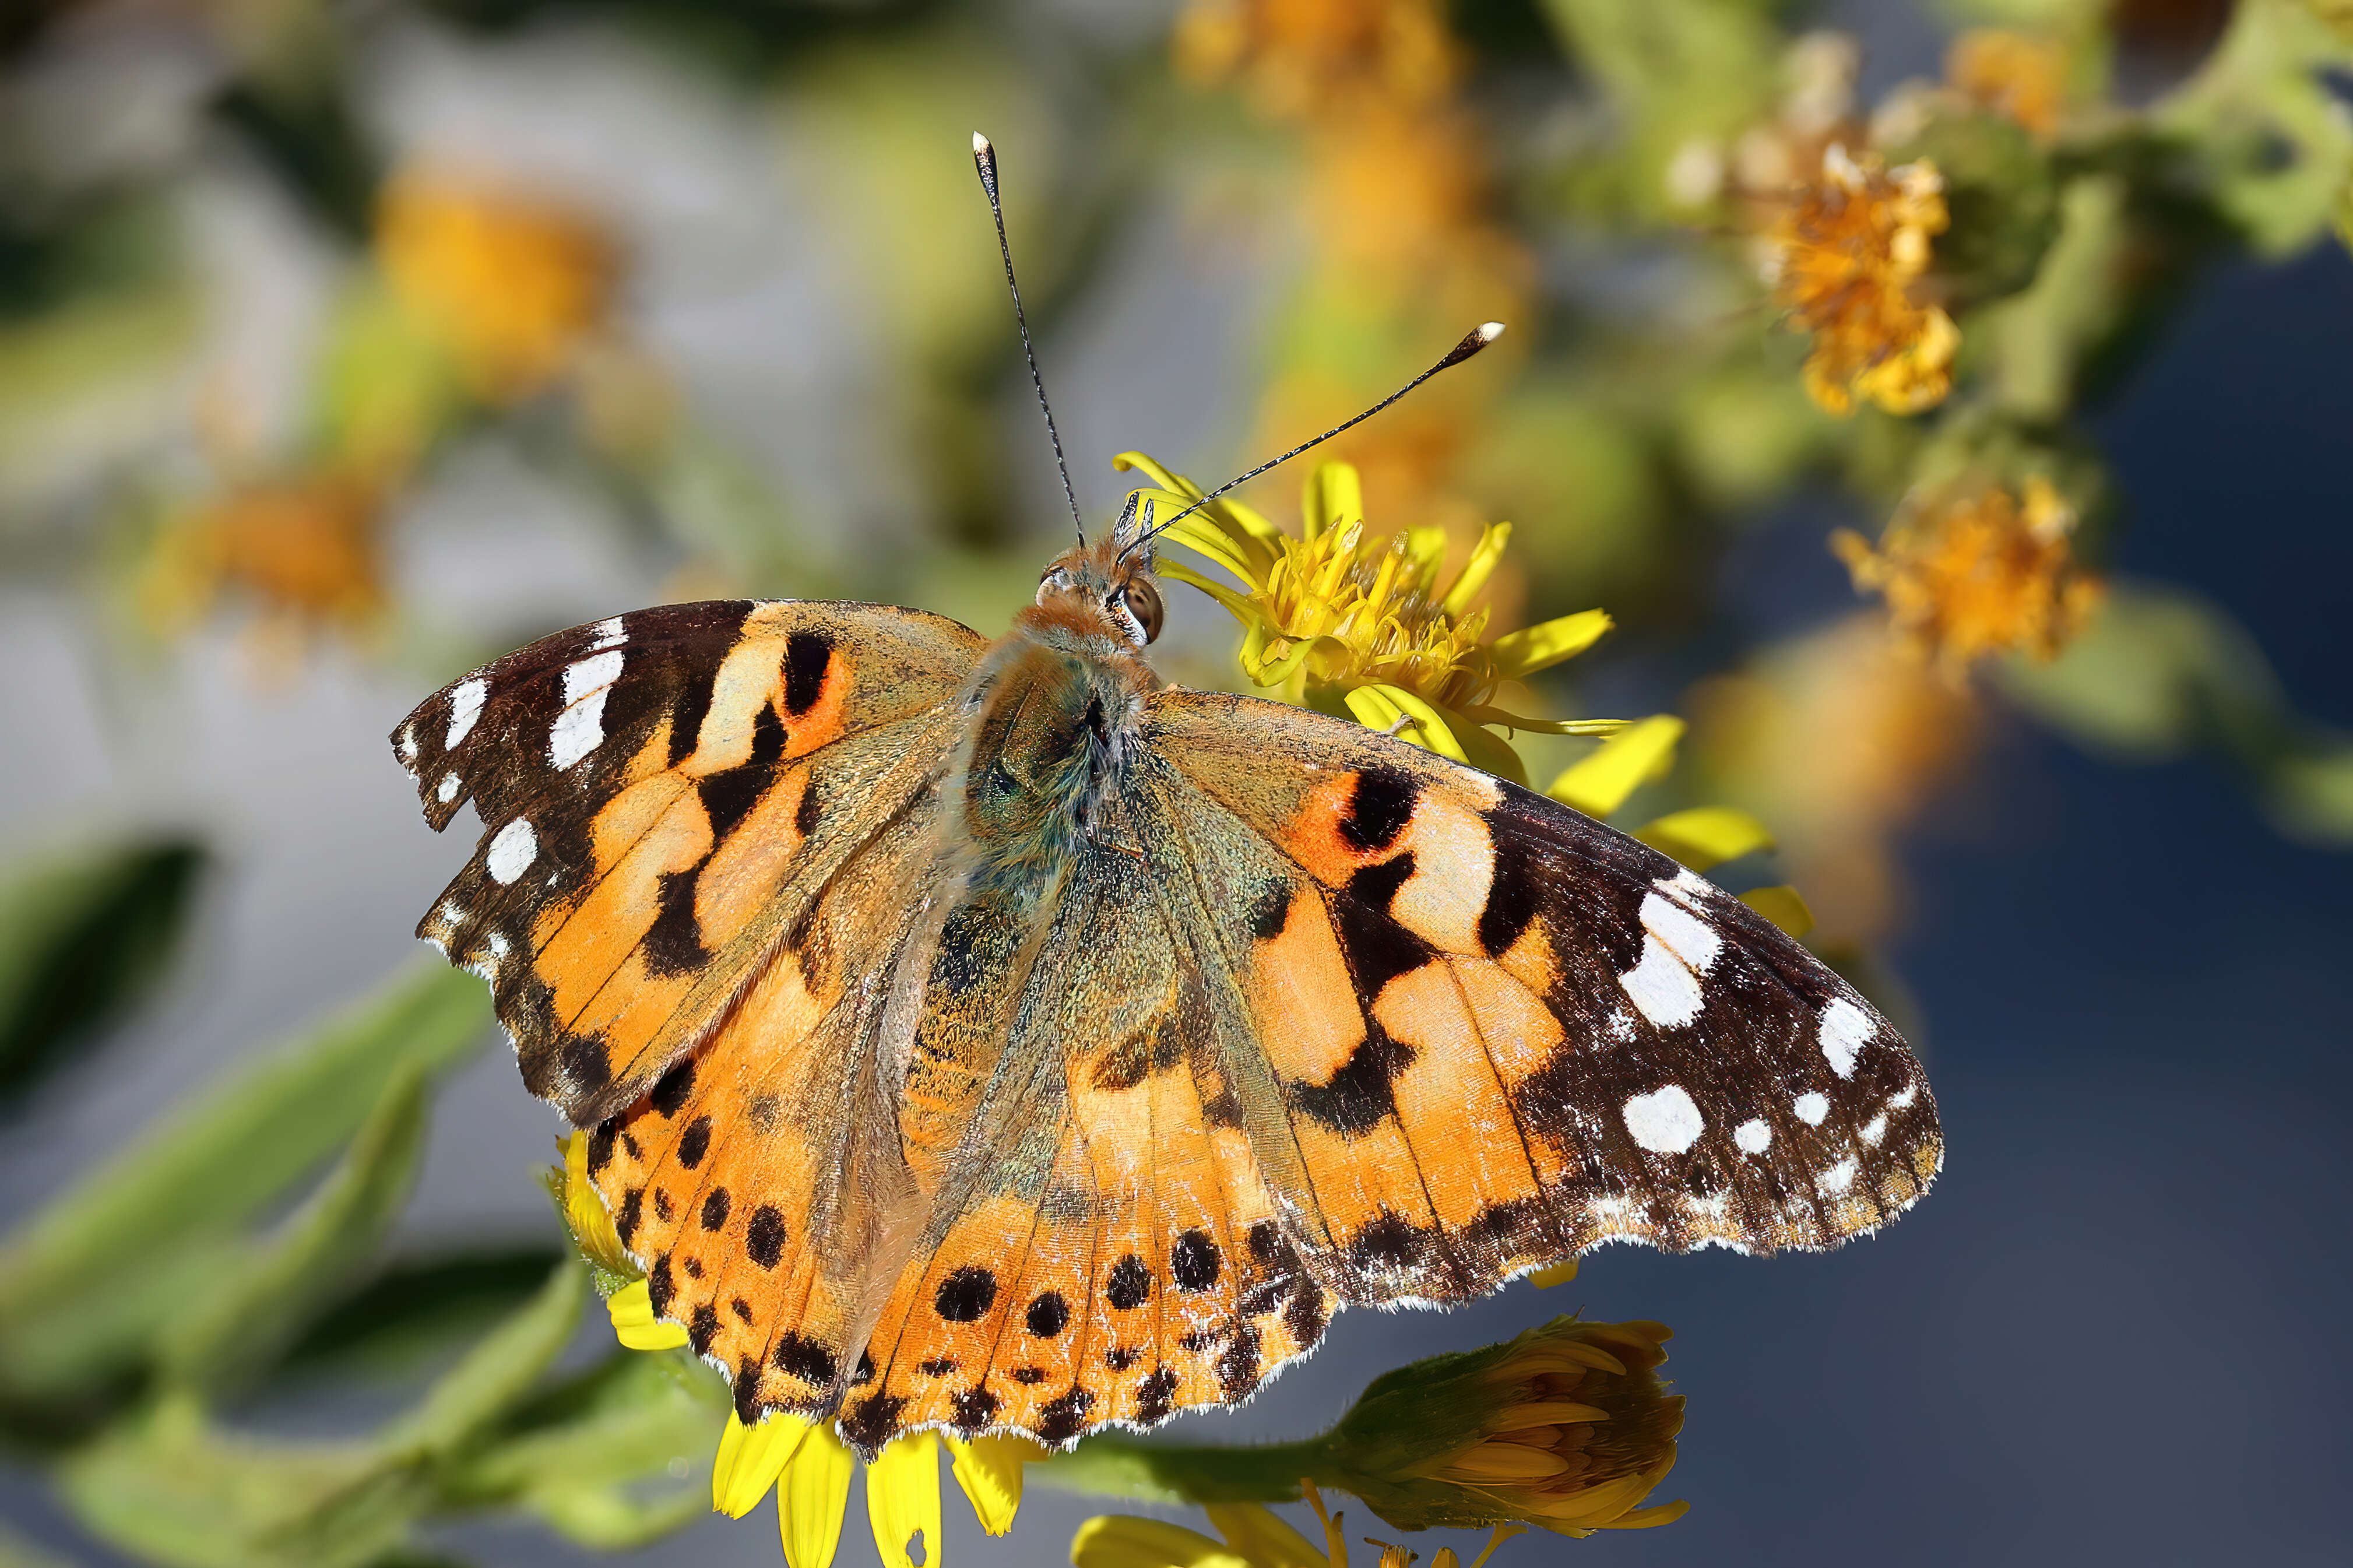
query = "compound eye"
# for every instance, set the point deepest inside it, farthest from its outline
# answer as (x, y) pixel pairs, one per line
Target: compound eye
(1144, 603)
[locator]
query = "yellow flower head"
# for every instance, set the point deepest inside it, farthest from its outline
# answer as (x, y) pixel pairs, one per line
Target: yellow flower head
(2017, 75)
(1970, 573)
(1296, 58)
(1346, 622)
(1844, 252)
(304, 547)
(1566, 1427)
(510, 283)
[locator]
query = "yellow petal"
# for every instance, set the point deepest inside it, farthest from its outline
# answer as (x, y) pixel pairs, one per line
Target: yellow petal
(1502, 1462)
(1547, 1413)
(1782, 904)
(989, 1471)
(903, 1496)
(591, 1223)
(1706, 836)
(1433, 733)
(1479, 568)
(1197, 532)
(1554, 1274)
(1335, 495)
(631, 1308)
(811, 1496)
(1531, 648)
(749, 1461)
(1640, 752)
(1237, 605)
(1124, 1540)
(1648, 1518)
(1264, 1537)
(1502, 1534)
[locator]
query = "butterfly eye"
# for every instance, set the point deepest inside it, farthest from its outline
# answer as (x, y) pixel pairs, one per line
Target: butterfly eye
(1144, 603)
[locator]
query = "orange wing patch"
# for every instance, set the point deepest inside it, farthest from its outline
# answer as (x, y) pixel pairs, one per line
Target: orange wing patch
(650, 786)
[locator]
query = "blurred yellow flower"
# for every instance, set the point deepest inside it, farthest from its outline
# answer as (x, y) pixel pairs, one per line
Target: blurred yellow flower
(1840, 739)
(2017, 75)
(304, 547)
(1345, 623)
(1298, 57)
(1844, 251)
(510, 283)
(1977, 572)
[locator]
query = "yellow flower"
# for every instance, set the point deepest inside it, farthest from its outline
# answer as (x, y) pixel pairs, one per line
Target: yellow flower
(1566, 1427)
(1255, 1536)
(1345, 623)
(304, 547)
(1845, 252)
(808, 1467)
(2016, 75)
(510, 283)
(1972, 572)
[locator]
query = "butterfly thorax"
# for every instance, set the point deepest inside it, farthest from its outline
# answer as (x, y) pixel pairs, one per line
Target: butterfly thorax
(1054, 712)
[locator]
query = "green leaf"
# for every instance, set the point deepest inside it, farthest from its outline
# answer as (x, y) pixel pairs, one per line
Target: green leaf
(497, 1373)
(83, 939)
(85, 1285)
(260, 1303)
(616, 1456)
(413, 1308)
(171, 1488)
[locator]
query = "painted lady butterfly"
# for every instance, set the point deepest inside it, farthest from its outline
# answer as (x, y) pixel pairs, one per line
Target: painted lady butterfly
(991, 1035)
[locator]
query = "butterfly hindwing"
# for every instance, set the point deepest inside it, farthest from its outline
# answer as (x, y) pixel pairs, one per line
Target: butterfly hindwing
(1102, 1247)
(652, 786)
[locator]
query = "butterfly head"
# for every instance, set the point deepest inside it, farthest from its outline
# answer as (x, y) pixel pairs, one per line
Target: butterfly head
(1103, 590)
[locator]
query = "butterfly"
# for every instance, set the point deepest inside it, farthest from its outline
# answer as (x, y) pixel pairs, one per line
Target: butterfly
(993, 1035)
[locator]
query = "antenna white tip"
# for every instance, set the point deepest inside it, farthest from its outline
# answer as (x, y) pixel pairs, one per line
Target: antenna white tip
(980, 145)
(1490, 330)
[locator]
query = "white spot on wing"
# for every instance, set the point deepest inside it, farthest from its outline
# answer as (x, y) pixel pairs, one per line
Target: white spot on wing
(1846, 1030)
(1691, 939)
(1811, 1107)
(1753, 1136)
(1664, 1121)
(512, 852)
(1838, 1178)
(466, 706)
(1666, 992)
(448, 791)
(1901, 1098)
(579, 730)
(606, 633)
(1677, 949)
(1874, 1130)
(408, 744)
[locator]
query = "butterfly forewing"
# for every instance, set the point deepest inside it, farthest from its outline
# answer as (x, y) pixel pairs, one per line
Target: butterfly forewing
(616, 901)
(1665, 1066)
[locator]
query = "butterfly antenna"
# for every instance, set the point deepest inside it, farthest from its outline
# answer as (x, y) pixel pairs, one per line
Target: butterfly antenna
(1474, 340)
(983, 158)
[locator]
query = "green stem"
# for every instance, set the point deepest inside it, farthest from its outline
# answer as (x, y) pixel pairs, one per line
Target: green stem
(1123, 1466)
